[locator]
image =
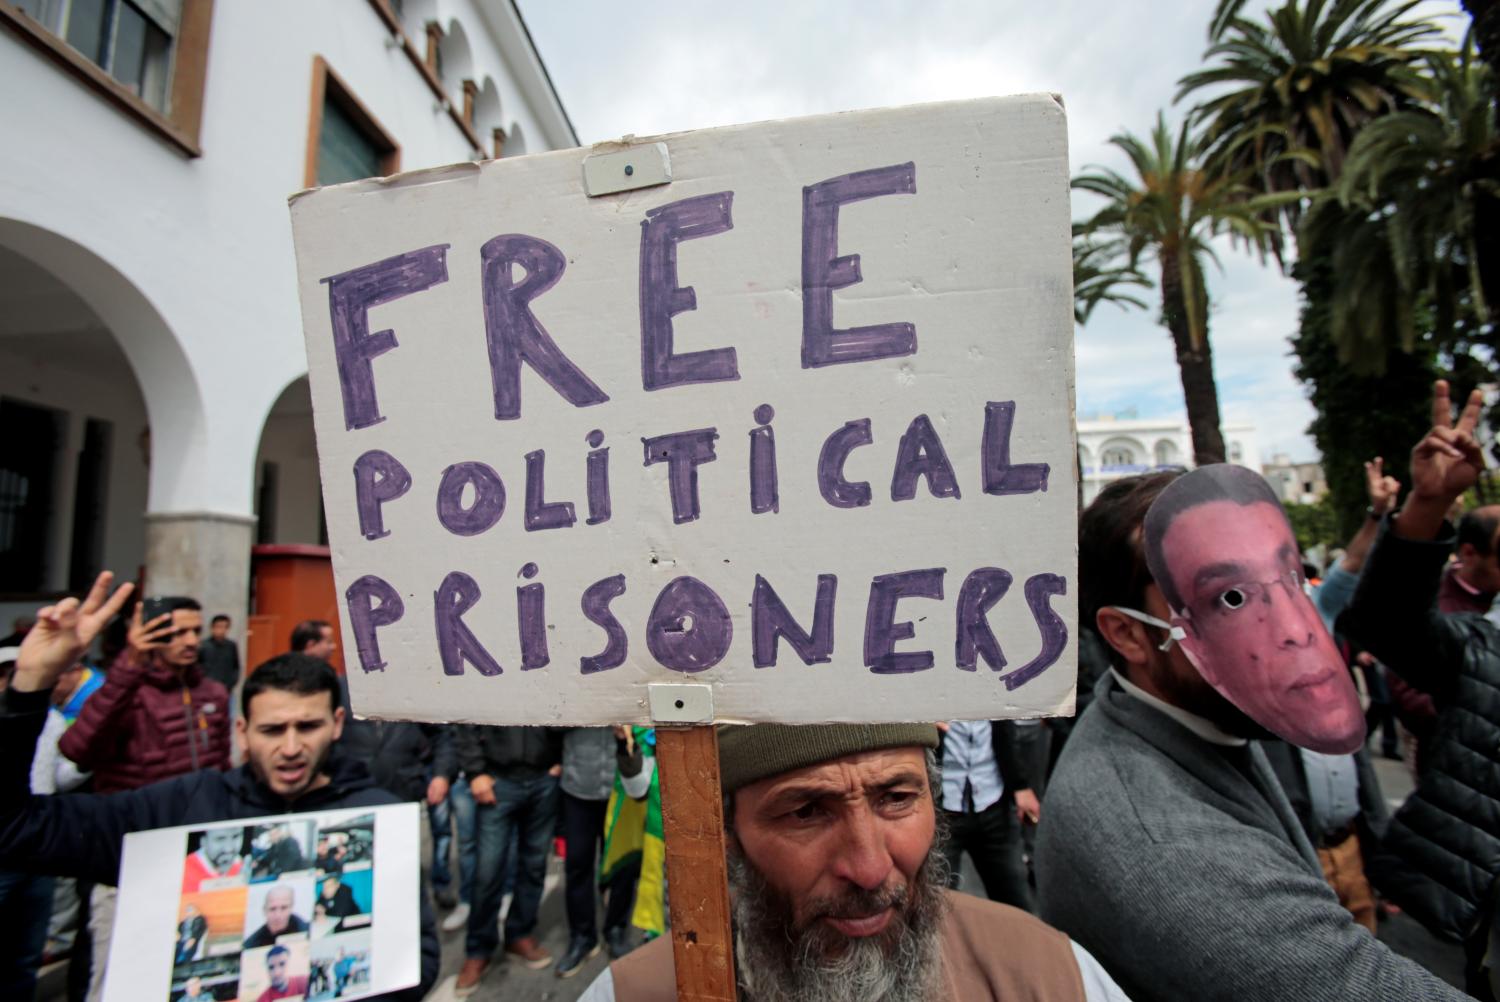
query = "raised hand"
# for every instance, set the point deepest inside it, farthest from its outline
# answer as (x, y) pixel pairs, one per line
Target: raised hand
(1448, 460)
(1382, 489)
(64, 631)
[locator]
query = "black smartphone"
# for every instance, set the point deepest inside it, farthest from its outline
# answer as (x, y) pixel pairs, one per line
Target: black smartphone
(151, 608)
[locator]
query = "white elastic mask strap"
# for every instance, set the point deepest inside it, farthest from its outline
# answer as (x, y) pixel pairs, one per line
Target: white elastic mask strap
(1175, 634)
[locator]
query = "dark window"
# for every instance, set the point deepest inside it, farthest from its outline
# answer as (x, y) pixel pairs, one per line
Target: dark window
(346, 152)
(265, 503)
(29, 441)
(90, 503)
(131, 40)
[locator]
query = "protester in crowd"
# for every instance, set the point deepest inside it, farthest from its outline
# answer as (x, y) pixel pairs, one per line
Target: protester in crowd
(633, 862)
(220, 655)
(838, 885)
(25, 906)
(289, 721)
(454, 817)
(986, 796)
(588, 776)
(314, 637)
(1169, 849)
(513, 774)
(19, 627)
(156, 716)
(1445, 835)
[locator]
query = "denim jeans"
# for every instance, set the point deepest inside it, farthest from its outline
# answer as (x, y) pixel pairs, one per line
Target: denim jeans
(25, 907)
(457, 809)
(527, 808)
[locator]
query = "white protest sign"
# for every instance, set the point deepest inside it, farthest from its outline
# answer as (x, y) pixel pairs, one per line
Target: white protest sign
(319, 905)
(793, 428)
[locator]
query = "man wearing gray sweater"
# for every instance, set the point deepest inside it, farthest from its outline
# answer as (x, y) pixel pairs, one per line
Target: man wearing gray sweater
(1168, 848)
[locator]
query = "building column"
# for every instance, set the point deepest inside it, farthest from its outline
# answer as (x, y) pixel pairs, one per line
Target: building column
(203, 555)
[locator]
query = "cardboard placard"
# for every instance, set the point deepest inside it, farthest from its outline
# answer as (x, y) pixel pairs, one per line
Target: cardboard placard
(794, 427)
(320, 905)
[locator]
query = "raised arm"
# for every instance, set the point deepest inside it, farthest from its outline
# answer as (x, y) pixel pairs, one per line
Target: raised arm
(1394, 613)
(90, 741)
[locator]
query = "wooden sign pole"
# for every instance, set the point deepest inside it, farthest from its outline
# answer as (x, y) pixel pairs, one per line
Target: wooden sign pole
(692, 814)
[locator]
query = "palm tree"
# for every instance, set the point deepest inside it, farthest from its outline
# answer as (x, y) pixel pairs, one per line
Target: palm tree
(1099, 277)
(1486, 15)
(1288, 96)
(1413, 216)
(1171, 210)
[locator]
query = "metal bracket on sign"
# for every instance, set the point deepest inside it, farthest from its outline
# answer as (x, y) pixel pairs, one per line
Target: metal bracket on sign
(676, 703)
(643, 166)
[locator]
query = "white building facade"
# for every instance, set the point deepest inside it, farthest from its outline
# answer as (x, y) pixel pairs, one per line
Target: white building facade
(154, 411)
(1113, 447)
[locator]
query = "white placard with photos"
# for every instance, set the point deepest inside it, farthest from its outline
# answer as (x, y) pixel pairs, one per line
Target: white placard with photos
(308, 906)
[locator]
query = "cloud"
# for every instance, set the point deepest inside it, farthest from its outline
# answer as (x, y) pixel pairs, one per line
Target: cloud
(670, 66)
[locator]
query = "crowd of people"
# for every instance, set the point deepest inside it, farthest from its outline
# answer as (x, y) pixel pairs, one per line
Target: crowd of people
(1209, 826)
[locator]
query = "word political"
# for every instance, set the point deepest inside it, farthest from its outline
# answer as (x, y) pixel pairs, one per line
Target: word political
(689, 628)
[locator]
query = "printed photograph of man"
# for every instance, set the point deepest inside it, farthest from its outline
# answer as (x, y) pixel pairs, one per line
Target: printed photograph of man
(281, 848)
(338, 903)
(279, 972)
(191, 929)
(216, 859)
(279, 909)
(216, 979)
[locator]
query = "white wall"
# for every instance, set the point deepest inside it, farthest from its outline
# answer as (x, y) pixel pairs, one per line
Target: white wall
(202, 247)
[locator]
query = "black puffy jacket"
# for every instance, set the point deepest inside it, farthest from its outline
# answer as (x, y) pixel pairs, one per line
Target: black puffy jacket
(1441, 851)
(401, 755)
(82, 834)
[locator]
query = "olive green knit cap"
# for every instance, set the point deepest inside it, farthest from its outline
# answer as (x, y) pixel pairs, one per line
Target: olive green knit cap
(758, 751)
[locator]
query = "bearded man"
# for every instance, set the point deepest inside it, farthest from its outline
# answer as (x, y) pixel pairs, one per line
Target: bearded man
(839, 884)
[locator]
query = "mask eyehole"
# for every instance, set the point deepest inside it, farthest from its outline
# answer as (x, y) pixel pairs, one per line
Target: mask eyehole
(1234, 598)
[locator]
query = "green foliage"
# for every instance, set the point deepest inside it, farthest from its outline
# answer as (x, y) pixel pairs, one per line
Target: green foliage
(1315, 524)
(1359, 416)
(1406, 220)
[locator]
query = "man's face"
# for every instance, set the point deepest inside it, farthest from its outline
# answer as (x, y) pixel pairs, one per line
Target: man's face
(181, 648)
(194, 986)
(288, 737)
(1251, 630)
(276, 965)
(220, 629)
(222, 847)
(838, 886)
(324, 646)
(330, 885)
(278, 909)
(840, 832)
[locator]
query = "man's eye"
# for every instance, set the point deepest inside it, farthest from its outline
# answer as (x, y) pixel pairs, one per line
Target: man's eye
(900, 798)
(1232, 599)
(809, 811)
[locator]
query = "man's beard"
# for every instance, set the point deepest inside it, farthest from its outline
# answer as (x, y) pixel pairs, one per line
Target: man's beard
(777, 962)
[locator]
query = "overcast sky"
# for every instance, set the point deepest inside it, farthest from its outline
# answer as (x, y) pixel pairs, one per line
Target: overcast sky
(670, 65)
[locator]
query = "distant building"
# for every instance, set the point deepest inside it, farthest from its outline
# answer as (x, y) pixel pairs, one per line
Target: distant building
(1296, 483)
(1112, 447)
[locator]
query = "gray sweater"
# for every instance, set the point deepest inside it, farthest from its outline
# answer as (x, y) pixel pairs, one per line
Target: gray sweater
(1179, 865)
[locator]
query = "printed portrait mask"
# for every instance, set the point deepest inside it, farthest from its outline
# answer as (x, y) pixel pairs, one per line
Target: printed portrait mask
(1222, 552)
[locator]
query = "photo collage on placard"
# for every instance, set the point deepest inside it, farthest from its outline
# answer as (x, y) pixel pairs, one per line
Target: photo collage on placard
(276, 911)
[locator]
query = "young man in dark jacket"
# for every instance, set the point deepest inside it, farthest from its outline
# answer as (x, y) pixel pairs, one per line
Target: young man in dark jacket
(289, 722)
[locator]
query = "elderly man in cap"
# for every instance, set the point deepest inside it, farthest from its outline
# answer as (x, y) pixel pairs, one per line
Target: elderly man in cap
(838, 879)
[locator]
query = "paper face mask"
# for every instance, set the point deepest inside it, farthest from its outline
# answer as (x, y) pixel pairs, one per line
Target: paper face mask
(1220, 548)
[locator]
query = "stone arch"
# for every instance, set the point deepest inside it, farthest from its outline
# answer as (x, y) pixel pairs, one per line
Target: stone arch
(488, 113)
(515, 140)
(1085, 457)
(1121, 451)
(1165, 453)
(457, 59)
(288, 490)
(169, 388)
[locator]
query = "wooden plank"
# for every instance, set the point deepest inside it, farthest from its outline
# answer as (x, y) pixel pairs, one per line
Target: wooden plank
(692, 812)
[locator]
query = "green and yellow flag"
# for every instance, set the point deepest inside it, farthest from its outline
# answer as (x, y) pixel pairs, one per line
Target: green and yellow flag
(633, 831)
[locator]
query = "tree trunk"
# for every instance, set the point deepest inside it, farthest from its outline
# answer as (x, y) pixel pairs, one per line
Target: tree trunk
(1196, 365)
(1486, 15)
